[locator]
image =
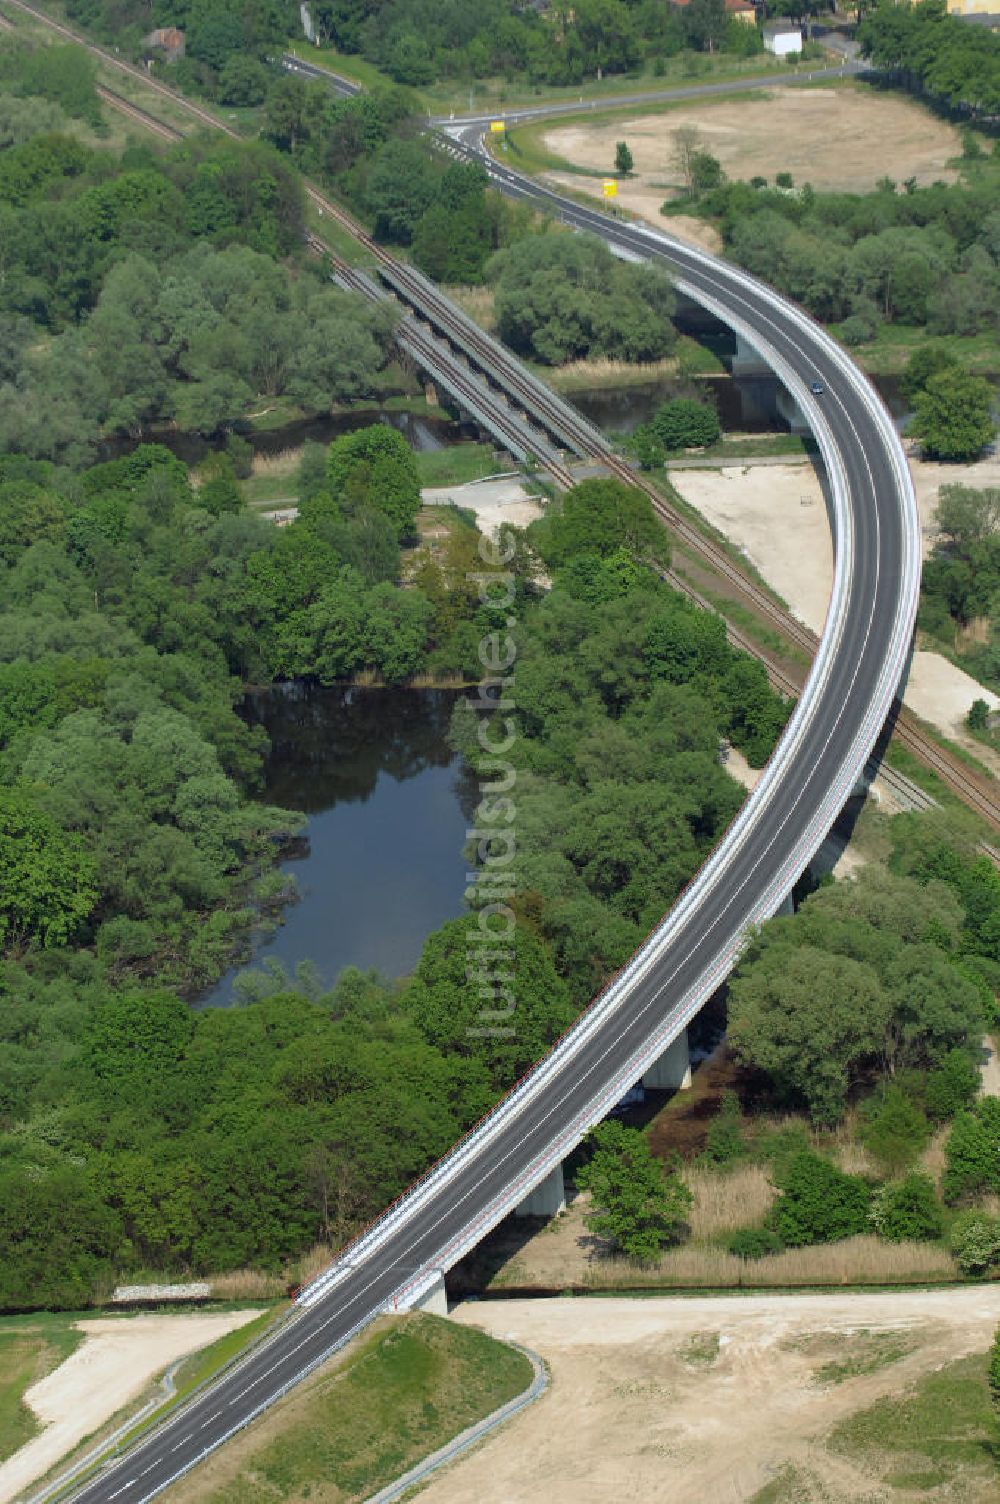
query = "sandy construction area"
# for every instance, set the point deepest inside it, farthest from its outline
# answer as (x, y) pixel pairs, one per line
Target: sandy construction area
(493, 501)
(702, 1399)
(777, 516)
(116, 1361)
(821, 136)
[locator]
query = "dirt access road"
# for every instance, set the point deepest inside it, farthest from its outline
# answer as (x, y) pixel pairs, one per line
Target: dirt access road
(704, 1400)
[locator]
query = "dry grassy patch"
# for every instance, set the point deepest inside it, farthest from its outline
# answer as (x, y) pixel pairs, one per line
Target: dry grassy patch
(247, 1284)
(700, 1350)
(860, 1260)
(821, 136)
(285, 462)
(849, 1355)
(723, 1202)
(477, 302)
(583, 375)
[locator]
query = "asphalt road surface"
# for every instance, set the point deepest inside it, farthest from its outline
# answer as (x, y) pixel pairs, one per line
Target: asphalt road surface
(430, 1231)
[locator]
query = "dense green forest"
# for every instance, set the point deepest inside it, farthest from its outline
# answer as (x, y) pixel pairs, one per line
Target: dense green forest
(137, 1134)
(138, 601)
(904, 254)
(936, 54)
(230, 46)
(161, 287)
(873, 999)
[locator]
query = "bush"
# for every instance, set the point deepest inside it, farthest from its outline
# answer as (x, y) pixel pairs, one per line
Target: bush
(952, 1086)
(978, 718)
(856, 330)
(648, 449)
(623, 159)
(973, 1151)
(706, 172)
(724, 1141)
(893, 1128)
(819, 1203)
(686, 424)
(907, 1209)
(638, 1203)
(240, 451)
(975, 1241)
(754, 1242)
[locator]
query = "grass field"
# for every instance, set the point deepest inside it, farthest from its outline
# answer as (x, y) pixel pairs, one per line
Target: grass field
(888, 353)
(409, 1387)
(456, 464)
(940, 1439)
(731, 451)
(30, 1348)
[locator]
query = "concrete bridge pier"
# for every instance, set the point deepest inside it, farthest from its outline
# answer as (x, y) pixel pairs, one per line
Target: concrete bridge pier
(547, 1199)
(431, 1297)
(747, 362)
(672, 1071)
(791, 411)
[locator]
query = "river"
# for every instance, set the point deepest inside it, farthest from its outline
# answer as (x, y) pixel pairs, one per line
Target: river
(387, 804)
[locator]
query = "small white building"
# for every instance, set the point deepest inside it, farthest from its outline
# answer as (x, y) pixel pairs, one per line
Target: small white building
(782, 38)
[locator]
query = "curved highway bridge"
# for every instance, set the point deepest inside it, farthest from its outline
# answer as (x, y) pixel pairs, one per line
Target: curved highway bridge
(855, 677)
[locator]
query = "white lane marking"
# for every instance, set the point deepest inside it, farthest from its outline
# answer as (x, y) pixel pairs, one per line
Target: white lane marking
(719, 920)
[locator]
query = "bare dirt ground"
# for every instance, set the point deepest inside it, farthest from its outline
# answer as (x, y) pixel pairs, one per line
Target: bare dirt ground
(703, 1400)
(929, 477)
(644, 195)
(115, 1362)
(493, 501)
(821, 136)
(777, 516)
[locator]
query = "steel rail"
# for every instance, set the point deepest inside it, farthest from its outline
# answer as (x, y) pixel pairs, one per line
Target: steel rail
(473, 392)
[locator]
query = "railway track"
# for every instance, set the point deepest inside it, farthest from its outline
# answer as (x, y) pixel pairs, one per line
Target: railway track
(142, 117)
(504, 369)
(519, 434)
(963, 782)
(561, 417)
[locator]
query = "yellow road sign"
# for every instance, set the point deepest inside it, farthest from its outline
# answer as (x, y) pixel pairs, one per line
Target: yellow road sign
(497, 127)
(610, 188)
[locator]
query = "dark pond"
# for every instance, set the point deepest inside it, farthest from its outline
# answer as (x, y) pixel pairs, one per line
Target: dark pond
(388, 803)
(746, 404)
(421, 432)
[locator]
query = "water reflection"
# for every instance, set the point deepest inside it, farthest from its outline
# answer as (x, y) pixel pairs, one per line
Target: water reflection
(388, 804)
(421, 431)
